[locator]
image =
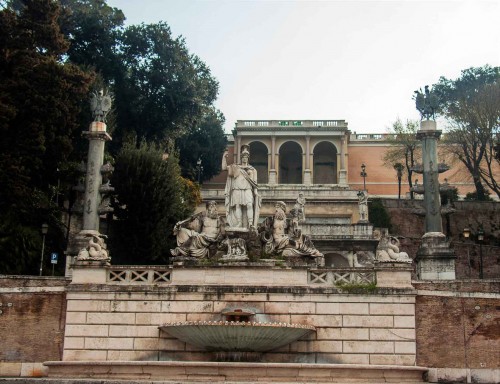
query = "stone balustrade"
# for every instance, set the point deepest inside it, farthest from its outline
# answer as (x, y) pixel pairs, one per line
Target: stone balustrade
(384, 275)
(291, 123)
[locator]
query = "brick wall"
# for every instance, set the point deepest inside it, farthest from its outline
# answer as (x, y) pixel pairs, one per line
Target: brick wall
(31, 323)
(468, 215)
(455, 330)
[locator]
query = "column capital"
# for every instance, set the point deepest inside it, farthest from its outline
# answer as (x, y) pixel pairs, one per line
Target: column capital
(97, 135)
(425, 134)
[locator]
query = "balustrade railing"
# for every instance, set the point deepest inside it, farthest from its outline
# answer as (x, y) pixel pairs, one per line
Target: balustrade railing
(341, 276)
(291, 123)
(137, 275)
(161, 275)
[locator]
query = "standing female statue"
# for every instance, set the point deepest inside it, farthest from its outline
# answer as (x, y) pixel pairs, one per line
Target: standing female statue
(242, 197)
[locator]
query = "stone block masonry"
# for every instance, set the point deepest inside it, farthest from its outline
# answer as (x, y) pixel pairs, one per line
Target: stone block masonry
(117, 322)
(454, 331)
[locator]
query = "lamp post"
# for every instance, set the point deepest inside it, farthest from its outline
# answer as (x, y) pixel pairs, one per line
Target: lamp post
(199, 167)
(399, 171)
(479, 238)
(363, 175)
(45, 229)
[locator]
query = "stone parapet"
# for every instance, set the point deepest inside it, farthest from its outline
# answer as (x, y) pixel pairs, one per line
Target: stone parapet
(291, 191)
(384, 275)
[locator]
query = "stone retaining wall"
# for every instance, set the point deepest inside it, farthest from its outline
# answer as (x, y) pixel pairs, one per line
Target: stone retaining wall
(120, 321)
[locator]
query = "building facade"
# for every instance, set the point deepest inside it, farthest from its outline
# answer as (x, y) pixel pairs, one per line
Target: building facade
(323, 153)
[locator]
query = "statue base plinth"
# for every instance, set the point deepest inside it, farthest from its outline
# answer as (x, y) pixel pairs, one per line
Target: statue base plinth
(184, 260)
(231, 258)
(241, 244)
(236, 230)
(97, 126)
(435, 259)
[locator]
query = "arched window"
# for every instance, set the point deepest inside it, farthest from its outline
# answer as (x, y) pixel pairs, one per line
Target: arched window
(290, 171)
(325, 163)
(258, 159)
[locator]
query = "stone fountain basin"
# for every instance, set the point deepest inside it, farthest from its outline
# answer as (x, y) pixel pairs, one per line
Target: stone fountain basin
(242, 336)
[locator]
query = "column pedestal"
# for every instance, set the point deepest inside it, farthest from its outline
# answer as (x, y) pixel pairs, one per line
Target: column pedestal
(435, 259)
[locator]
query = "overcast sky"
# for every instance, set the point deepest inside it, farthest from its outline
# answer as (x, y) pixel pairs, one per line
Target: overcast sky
(358, 61)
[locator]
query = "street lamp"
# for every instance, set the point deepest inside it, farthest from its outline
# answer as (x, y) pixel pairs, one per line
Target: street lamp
(466, 234)
(199, 167)
(399, 170)
(45, 229)
(480, 238)
(363, 175)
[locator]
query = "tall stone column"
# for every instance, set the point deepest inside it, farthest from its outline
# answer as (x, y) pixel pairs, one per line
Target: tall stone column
(435, 258)
(97, 137)
(272, 171)
(307, 170)
(238, 150)
(342, 172)
(432, 201)
(89, 245)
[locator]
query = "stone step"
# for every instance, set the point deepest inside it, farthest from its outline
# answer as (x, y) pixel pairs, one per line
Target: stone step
(232, 372)
(87, 381)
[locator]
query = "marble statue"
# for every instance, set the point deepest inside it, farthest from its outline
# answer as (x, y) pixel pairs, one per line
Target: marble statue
(363, 206)
(281, 236)
(236, 249)
(242, 198)
(299, 208)
(352, 259)
(388, 249)
(196, 234)
(426, 103)
(100, 105)
(96, 249)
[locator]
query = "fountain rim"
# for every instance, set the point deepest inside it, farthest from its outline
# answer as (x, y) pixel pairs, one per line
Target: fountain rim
(238, 323)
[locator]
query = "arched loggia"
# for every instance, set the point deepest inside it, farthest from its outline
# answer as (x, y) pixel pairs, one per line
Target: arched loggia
(325, 163)
(290, 171)
(259, 159)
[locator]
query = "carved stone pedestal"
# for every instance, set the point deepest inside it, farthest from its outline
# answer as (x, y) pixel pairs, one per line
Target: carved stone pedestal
(241, 244)
(435, 259)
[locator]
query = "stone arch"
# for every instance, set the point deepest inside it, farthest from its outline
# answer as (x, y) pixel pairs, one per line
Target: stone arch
(325, 163)
(259, 160)
(290, 155)
(333, 259)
